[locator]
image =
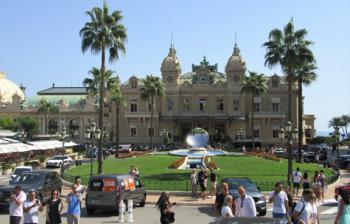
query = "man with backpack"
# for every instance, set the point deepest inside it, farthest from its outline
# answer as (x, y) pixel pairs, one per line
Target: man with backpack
(302, 211)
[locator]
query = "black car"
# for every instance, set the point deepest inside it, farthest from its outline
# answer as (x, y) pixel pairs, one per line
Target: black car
(42, 181)
(344, 161)
(251, 190)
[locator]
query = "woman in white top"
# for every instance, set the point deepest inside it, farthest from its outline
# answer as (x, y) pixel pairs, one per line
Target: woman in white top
(226, 210)
(315, 216)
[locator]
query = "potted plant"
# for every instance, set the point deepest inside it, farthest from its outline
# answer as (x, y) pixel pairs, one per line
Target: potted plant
(42, 160)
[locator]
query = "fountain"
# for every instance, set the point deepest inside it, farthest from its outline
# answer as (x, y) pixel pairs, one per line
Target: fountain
(198, 140)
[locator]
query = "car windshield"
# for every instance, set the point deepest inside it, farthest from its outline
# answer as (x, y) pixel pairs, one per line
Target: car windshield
(58, 158)
(20, 170)
(235, 184)
(28, 178)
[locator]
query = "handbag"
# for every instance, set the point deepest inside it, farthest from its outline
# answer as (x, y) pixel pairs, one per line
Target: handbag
(171, 217)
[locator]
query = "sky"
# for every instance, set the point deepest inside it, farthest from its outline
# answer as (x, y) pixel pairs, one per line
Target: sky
(40, 42)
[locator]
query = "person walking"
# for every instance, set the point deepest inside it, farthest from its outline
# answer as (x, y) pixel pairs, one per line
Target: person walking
(219, 200)
(302, 212)
(73, 201)
(343, 215)
(16, 206)
(279, 199)
(245, 205)
(323, 184)
(31, 208)
(213, 179)
(54, 207)
(290, 198)
(305, 181)
(315, 215)
(165, 207)
(316, 186)
(296, 181)
(193, 183)
(226, 210)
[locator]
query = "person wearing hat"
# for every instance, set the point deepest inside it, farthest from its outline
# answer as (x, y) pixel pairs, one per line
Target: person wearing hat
(31, 208)
(16, 206)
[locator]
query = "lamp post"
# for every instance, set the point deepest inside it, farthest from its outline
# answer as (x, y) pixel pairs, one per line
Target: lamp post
(336, 135)
(289, 134)
(92, 133)
(63, 135)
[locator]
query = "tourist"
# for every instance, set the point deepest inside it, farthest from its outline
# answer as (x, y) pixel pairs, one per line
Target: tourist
(305, 181)
(193, 183)
(80, 188)
(205, 184)
(302, 212)
(296, 181)
(213, 183)
(203, 179)
(219, 200)
(343, 215)
(16, 206)
(54, 207)
(73, 201)
(165, 208)
(226, 210)
(323, 183)
(245, 205)
(136, 172)
(315, 216)
(279, 199)
(290, 198)
(132, 170)
(31, 208)
(244, 148)
(316, 186)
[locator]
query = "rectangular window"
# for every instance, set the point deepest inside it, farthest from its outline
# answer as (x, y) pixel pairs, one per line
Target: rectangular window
(256, 133)
(219, 105)
(202, 105)
(186, 105)
(133, 105)
(274, 83)
(236, 105)
(133, 132)
(134, 85)
(256, 107)
(275, 107)
(150, 132)
(275, 133)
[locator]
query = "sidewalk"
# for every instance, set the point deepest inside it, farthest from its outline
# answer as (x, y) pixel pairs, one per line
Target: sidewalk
(185, 198)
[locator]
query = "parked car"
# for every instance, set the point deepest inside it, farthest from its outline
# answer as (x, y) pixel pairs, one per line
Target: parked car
(125, 148)
(251, 190)
(19, 170)
(106, 191)
(42, 181)
(344, 161)
(58, 161)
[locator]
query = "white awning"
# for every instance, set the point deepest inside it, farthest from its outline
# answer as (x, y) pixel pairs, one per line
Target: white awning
(15, 147)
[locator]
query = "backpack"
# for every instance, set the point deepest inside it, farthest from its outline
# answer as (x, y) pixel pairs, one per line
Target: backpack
(301, 211)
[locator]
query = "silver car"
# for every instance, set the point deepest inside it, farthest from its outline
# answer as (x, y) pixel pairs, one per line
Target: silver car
(106, 191)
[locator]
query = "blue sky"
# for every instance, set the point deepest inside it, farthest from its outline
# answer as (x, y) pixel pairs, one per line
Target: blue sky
(40, 44)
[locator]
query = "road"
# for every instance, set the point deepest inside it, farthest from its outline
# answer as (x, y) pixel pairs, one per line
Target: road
(184, 215)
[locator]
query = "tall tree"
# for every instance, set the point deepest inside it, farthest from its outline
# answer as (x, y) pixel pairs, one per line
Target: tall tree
(335, 122)
(152, 88)
(93, 84)
(289, 49)
(29, 125)
(255, 85)
(102, 33)
(47, 108)
(305, 75)
(118, 101)
(345, 122)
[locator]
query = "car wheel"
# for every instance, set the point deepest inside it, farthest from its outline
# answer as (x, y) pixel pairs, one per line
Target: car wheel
(89, 210)
(143, 202)
(262, 213)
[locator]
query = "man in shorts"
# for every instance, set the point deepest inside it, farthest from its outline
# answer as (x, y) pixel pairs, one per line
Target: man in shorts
(296, 181)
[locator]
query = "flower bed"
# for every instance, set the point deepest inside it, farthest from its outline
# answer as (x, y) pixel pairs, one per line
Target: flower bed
(132, 154)
(268, 156)
(177, 163)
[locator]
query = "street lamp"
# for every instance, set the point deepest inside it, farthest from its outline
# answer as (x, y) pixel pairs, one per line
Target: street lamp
(336, 135)
(63, 136)
(289, 134)
(92, 133)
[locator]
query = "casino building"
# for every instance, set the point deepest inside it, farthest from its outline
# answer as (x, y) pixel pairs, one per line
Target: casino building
(203, 97)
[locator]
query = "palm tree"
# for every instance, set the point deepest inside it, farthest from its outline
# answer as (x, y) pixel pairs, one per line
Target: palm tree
(93, 84)
(47, 108)
(305, 75)
(290, 50)
(346, 122)
(152, 88)
(103, 32)
(256, 85)
(117, 99)
(335, 122)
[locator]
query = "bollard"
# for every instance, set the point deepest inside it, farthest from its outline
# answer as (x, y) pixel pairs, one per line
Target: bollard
(130, 211)
(121, 211)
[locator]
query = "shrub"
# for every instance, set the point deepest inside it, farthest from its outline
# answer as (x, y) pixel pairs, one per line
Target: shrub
(27, 163)
(268, 156)
(7, 166)
(42, 159)
(132, 154)
(177, 163)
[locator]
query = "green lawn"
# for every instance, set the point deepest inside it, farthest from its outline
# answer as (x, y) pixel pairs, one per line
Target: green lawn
(156, 175)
